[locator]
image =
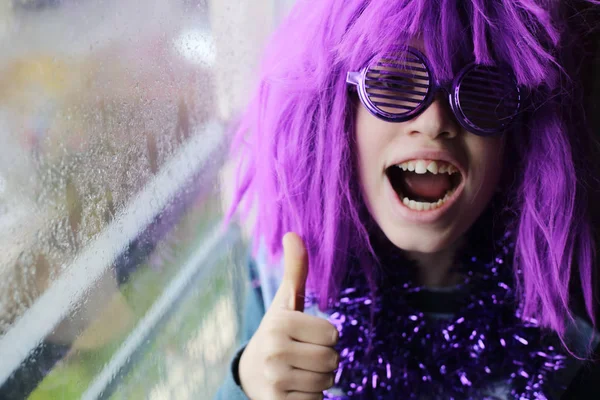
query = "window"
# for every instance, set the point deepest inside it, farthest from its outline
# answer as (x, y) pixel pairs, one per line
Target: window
(116, 277)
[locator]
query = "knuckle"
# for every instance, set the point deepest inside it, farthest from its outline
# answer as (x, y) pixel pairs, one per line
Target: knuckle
(276, 348)
(273, 359)
(274, 377)
(280, 385)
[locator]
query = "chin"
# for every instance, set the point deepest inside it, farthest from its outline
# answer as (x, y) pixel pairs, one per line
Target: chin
(411, 240)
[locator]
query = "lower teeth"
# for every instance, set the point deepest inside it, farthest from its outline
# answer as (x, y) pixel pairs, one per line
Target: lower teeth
(426, 206)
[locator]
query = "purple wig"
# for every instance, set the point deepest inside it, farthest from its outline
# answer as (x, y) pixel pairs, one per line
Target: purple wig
(295, 142)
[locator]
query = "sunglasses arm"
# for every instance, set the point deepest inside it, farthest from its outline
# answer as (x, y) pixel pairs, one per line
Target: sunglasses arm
(353, 78)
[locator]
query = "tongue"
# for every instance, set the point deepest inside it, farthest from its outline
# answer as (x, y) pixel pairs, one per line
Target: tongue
(426, 187)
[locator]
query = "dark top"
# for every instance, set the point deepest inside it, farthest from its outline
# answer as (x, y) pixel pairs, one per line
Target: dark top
(584, 377)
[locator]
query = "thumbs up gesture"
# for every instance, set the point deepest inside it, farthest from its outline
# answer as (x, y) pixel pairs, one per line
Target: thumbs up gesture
(291, 355)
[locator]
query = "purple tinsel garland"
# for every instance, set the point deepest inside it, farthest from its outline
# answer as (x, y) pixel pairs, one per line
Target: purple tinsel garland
(414, 356)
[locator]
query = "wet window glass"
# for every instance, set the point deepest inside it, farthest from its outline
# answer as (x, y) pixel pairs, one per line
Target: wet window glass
(116, 277)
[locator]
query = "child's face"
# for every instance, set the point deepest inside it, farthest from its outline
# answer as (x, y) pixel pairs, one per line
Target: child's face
(425, 225)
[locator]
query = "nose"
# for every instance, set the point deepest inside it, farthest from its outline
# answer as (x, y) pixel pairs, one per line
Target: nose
(436, 121)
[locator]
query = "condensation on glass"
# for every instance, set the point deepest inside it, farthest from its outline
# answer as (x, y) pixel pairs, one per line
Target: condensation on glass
(104, 107)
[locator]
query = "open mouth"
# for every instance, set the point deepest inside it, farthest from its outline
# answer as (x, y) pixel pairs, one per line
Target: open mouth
(424, 185)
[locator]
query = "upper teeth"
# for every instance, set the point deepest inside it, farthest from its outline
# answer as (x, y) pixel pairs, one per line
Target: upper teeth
(424, 166)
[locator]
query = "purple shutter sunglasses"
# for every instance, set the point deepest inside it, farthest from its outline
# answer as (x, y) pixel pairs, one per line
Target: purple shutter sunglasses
(484, 99)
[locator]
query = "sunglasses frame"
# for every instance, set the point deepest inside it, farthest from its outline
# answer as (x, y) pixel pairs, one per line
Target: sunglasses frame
(452, 88)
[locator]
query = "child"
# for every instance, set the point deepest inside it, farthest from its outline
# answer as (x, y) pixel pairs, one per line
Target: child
(432, 159)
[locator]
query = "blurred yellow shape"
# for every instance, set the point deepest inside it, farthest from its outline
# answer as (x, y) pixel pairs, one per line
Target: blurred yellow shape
(25, 79)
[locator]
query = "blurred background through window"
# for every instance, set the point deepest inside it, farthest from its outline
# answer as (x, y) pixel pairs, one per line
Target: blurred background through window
(116, 279)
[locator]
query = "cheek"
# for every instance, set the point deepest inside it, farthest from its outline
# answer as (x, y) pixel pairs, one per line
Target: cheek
(369, 154)
(367, 144)
(488, 156)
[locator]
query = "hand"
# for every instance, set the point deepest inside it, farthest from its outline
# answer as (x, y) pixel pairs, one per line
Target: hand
(291, 355)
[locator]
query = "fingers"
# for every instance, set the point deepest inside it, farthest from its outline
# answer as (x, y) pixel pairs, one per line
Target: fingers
(303, 396)
(309, 381)
(298, 380)
(291, 355)
(309, 329)
(312, 357)
(295, 264)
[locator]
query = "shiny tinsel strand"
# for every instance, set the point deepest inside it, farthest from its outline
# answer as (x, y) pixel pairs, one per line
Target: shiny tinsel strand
(412, 355)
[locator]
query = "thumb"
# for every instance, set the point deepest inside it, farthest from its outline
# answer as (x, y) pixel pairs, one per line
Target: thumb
(295, 271)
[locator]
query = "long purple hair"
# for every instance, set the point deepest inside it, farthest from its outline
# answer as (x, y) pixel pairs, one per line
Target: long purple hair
(295, 142)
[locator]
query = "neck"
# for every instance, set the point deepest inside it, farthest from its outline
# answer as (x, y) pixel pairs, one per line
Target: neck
(437, 269)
